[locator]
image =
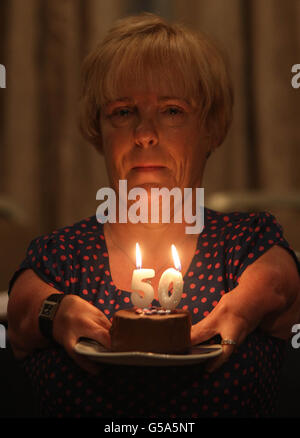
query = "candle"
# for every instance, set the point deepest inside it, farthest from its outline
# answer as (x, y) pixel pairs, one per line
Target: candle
(174, 276)
(138, 283)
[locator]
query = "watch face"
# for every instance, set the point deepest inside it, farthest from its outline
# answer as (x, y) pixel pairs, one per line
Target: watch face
(47, 310)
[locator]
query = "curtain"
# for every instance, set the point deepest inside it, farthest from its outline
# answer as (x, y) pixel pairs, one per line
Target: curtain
(48, 170)
(51, 176)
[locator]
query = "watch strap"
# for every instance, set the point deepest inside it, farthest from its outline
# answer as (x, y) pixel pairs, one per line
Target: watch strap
(48, 310)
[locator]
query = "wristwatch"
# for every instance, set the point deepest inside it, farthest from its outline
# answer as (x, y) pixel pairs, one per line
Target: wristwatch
(47, 313)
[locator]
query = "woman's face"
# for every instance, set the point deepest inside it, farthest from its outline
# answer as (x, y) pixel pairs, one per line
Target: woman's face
(153, 140)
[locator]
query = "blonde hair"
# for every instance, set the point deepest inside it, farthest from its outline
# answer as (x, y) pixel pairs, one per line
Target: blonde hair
(145, 49)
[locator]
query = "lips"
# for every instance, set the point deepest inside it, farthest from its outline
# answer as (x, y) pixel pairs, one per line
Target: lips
(148, 167)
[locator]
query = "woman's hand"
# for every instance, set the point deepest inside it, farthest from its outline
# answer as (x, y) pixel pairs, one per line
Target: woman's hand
(77, 318)
(268, 296)
(229, 320)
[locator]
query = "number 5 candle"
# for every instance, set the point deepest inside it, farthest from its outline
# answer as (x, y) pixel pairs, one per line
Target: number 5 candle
(169, 276)
(138, 283)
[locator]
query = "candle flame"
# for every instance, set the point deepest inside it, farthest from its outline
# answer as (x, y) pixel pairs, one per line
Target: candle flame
(138, 256)
(176, 258)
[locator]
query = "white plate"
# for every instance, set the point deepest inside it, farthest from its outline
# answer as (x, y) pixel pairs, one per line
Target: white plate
(98, 353)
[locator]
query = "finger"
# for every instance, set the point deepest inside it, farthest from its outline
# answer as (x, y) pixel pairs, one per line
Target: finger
(204, 330)
(95, 332)
(103, 337)
(199, 335)
(104, 321)
(227, 350)
(99, 317)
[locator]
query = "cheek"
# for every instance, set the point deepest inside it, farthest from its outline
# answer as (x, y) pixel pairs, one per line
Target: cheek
(190, 155)
(115, 150)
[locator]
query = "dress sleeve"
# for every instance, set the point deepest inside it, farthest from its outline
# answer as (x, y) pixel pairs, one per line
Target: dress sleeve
(52, 260)
(250, 238)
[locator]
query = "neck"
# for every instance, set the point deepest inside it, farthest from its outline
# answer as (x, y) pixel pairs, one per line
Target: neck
(155, 240)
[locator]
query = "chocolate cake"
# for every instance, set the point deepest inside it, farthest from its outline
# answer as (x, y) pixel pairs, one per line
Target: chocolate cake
(154, 330)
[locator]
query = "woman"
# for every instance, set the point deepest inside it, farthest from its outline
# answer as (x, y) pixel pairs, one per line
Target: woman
(156, 101)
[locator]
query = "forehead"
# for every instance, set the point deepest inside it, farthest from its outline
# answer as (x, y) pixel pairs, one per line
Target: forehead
(161, 81)
(134, 95)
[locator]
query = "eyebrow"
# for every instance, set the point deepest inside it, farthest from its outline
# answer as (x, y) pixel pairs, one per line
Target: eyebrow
(160, 99)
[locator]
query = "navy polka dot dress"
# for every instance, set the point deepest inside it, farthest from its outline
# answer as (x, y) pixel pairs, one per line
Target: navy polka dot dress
(75, 260)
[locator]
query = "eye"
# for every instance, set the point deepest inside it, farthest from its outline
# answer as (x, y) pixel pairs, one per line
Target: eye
(122, 112)
(173, 111)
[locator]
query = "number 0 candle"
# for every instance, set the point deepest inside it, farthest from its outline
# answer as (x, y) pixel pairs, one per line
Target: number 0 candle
(138, 283)
(169, 276)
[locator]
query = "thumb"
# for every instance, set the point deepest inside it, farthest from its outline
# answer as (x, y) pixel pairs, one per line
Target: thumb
(204, 330)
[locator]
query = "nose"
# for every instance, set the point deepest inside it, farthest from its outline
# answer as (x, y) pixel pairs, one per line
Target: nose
(145, 133)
